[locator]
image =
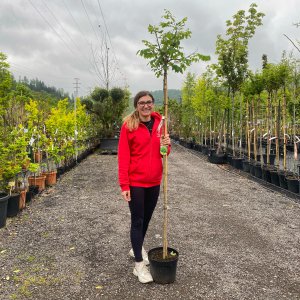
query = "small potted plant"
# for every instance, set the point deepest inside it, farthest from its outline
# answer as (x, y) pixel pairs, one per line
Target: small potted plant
(15, 159)
(52, 160)
(36, 179)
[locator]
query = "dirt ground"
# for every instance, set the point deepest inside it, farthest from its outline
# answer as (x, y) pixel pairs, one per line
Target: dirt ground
(236, 239)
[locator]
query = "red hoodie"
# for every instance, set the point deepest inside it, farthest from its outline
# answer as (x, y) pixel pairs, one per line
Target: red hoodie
(140, 161)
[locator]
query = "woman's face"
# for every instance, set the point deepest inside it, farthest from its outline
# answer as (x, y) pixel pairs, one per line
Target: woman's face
(145, 106)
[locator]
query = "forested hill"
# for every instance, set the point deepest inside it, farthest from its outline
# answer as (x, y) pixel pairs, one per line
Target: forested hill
(159, 95)
(39, 86)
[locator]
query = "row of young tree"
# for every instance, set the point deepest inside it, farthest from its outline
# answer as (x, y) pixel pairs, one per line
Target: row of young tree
(235, 109)
(40, 134)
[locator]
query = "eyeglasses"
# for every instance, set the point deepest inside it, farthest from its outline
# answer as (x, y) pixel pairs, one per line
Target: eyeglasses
(143, 103)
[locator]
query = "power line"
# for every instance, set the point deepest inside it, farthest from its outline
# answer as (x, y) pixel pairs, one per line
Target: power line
(53, 15)
(49, 24)
(69, 36)
(51, 27)
(107, 30)
(90, 21)
(113, 51)
(75, 22)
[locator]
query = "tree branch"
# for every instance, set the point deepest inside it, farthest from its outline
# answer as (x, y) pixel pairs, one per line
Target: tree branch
(292, 42)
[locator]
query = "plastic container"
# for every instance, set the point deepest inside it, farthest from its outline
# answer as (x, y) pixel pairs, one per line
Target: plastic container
(163, 272)
(3, 208)
(13, 205)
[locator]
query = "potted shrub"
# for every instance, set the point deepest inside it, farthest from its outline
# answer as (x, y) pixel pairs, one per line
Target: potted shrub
(15, 159)
(108, 107)
(52, 160)
(36, 179)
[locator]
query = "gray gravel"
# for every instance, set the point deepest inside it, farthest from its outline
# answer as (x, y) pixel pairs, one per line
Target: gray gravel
(236, 239)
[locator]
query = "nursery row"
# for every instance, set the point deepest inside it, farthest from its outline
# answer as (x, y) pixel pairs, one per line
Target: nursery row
(259, 167)
(11, 204)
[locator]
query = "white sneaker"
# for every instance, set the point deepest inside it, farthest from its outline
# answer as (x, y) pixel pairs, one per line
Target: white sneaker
(144, 255)
(141, 271)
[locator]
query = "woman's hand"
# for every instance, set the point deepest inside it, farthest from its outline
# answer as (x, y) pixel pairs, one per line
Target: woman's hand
(126, 195)
(165, 140)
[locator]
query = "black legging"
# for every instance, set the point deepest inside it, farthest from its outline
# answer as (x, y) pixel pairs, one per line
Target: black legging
(142, 205)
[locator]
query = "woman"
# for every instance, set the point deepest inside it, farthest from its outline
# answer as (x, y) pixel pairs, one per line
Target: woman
(140, 173)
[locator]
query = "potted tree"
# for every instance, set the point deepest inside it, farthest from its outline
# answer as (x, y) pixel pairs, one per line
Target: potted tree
(52, 160)
(164, 54)
(108, 107)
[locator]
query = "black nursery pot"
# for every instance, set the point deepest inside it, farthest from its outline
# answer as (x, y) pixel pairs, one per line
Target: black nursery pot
(215, 158)
(237, 162)
(246, 166)
(205, 149)
(275, 177)
(28, 196)
(252, 167)
(229, 159)
(163, 271)
(282, 180)
(293, 184)
(34, 190)
(13, 205)
(60, 171)
(3, 208)
(266, 174)
(258, 170)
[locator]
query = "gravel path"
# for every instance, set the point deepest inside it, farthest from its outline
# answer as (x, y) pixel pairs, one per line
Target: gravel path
(236, 239)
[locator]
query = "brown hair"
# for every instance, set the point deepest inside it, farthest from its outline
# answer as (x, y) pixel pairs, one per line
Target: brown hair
(132, 121)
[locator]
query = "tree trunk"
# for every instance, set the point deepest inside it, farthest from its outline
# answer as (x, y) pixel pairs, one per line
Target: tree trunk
(248, 130)
(165, 170)
(284, 133)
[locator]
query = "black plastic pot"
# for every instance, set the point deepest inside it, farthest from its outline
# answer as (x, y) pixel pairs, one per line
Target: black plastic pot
(3, 208)
(266, 175)
(229, 158)
(163, 272)
(275, 177)
(60, 171)
(237, 162)
(282, 180)
(34, 189)
(257, 170)
(252, 167)
(217, 158)
(293, 184)
(246, 166)
(205, 149)
(109, 144)
(13, 205)
(28, 196)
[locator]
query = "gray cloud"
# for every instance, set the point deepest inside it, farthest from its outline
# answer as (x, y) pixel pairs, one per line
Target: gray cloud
(31, 41)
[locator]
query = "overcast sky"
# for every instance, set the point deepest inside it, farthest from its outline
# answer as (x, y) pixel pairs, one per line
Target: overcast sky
(59, 40)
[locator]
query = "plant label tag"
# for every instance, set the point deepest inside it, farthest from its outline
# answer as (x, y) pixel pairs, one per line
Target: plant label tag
(31, 141)
(163, 150)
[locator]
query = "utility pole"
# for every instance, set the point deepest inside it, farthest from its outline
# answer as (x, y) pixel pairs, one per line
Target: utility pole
(76, 86)
(107, 79)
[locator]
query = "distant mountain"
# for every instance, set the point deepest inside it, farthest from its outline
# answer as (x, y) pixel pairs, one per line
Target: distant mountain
(159, 95)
